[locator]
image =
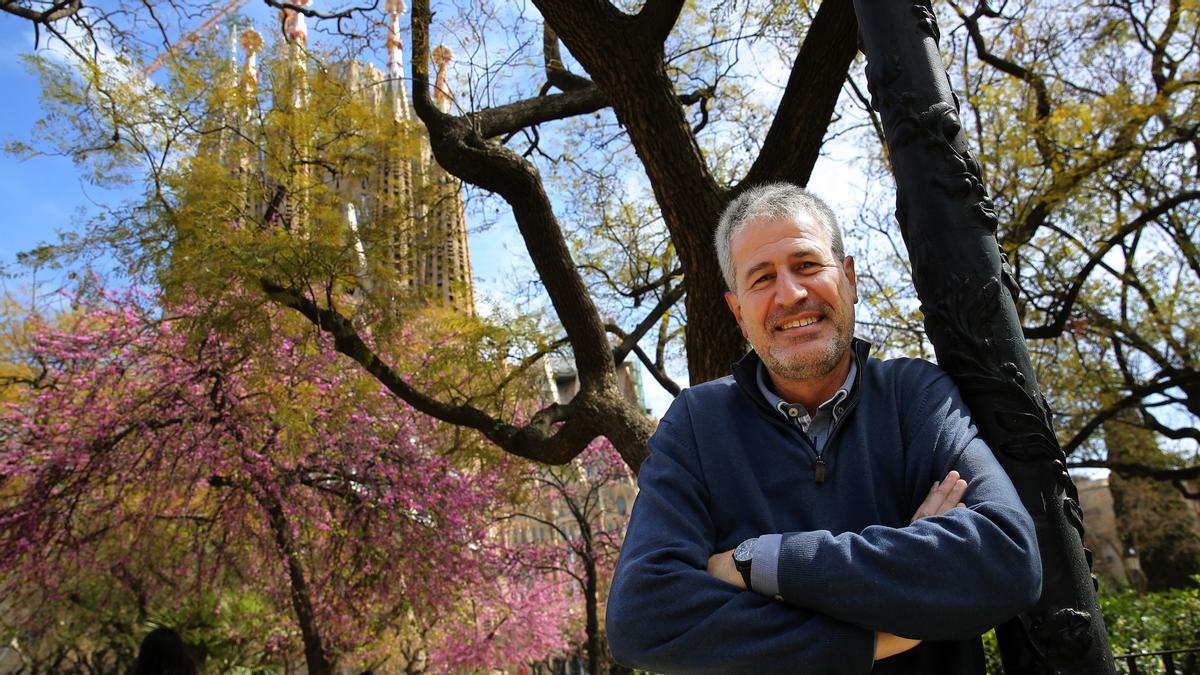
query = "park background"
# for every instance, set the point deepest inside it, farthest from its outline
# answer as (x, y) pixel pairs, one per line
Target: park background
(1084, 120)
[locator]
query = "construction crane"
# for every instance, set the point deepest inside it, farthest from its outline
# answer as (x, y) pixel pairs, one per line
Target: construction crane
(191, 38)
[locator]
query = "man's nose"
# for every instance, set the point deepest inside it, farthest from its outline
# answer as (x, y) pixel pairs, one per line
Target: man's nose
(789, 289)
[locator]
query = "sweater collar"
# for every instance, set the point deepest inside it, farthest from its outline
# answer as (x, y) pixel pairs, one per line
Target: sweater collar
(746, 370)
(762, 379)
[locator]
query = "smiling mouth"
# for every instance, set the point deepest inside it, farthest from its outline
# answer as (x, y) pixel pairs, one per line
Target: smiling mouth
(798, 323)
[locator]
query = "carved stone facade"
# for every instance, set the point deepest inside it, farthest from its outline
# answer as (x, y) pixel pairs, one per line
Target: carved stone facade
(405, 215)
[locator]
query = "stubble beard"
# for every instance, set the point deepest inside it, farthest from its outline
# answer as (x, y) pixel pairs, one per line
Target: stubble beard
(810, 368)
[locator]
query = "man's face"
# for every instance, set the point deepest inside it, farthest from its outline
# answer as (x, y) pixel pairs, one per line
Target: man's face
(794, 300)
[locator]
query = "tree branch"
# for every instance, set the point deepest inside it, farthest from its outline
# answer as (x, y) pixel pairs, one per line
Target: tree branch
(657, 373)
(793, 142)
(511, 117)
(505, 119)
(665, 303)
(658, 17)
(56, 11)
(463, 152)
(1136, 395)
(556, 73)
(1135, 470)
(1041, 92)
(543, 439)
(301, 9)
(1056, 325)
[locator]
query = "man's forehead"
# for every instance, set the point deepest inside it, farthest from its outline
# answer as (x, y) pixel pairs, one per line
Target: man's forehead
(799, 236)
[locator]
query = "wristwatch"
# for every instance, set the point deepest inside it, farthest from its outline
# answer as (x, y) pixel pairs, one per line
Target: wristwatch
(743, 559)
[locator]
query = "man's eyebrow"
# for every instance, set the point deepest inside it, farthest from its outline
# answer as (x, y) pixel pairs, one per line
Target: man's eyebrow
(760, 266)
(800, 252)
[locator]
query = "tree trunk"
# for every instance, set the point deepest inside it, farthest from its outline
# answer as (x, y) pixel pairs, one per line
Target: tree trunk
(314, 651)
(967, 296)
(593, 616)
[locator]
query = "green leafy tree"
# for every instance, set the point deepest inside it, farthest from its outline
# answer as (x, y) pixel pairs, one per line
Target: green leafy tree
(1085, 118)
(668, 99)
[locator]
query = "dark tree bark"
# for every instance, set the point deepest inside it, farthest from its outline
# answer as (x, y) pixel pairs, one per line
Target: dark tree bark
(624, 56)
(590, 593)
(967, 296)
(314, 649)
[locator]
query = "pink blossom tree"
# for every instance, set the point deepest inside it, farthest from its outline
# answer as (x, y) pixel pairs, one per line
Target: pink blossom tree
(168, 459)
(582, 507)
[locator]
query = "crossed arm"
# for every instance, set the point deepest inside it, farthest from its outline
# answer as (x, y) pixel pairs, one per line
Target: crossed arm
(943, 496)
(840, 592)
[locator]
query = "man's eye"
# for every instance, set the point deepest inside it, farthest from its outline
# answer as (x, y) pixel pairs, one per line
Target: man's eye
(760, 280)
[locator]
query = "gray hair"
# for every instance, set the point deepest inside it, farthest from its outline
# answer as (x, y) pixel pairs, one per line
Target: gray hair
(769, 202)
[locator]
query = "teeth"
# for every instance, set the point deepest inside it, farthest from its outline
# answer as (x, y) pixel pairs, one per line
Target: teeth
(800, 323)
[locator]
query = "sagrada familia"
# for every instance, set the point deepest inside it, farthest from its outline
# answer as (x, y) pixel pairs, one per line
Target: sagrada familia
(404, 214)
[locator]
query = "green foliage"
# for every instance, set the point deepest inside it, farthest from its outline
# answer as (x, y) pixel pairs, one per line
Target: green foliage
(1085, 123)
(1137, 624)
(98, 623)
(1152, 622)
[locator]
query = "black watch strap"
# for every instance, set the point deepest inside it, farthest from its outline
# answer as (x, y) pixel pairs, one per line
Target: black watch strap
(745, 570)
(743, 560)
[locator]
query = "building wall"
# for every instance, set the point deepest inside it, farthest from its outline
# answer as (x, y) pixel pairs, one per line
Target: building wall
(1111, 562)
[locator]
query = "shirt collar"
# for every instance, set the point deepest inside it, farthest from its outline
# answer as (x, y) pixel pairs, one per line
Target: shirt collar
(782, 406)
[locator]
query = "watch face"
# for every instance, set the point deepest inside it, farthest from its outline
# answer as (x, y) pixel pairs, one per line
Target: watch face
(744, 551)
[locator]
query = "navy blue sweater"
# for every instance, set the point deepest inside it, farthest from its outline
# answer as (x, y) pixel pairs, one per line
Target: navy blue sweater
(725, 467)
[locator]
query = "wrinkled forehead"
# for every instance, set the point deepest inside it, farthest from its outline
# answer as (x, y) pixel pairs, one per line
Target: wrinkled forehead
(793, 235)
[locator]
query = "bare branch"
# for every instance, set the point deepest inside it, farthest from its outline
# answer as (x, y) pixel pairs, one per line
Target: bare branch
(55, 12)
(1135, 470)
(557, 74)
(1136, 395)
(512, 117)
(664, 304)
(312, 13)
(658, 373)
(1054, 327)
(794, 140)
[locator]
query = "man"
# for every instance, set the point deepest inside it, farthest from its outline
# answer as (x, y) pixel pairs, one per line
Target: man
(812, 466)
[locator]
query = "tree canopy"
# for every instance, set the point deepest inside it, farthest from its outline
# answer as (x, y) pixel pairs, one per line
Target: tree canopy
(161, 472)
(1085, 117)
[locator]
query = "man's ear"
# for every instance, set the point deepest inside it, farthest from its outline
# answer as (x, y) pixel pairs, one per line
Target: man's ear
(735, 307)
(848, 268)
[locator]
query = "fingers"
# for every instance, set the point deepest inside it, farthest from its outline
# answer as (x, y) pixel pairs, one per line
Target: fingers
(887, 645)
(943, 496)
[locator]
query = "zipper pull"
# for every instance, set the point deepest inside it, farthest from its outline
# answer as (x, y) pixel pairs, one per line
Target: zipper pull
(820, 470)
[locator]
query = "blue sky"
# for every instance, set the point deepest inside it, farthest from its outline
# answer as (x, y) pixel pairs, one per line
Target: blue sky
(43, 195)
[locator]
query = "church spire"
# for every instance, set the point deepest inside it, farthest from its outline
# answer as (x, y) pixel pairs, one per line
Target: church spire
(395, 56)
(251, 42)
(441, 87)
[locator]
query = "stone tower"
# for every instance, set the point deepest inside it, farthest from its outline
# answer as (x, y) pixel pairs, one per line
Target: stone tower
(405, 215)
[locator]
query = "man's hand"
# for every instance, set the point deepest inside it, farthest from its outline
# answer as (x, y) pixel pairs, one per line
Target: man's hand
(887, 645)
(943, 496)
(721, 566)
